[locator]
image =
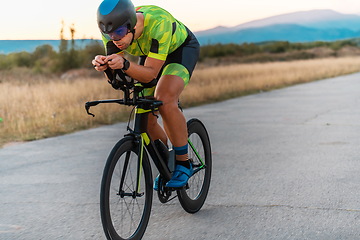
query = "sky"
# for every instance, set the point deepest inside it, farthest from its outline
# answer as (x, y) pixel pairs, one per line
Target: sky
(42, 19)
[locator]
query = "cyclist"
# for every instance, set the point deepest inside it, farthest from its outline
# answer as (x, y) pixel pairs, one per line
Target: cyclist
(168, 53)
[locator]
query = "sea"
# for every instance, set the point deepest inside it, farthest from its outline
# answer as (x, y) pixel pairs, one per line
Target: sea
(12, 46)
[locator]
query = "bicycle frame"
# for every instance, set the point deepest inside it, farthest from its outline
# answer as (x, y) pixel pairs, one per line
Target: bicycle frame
(203, 165)
(144, 107)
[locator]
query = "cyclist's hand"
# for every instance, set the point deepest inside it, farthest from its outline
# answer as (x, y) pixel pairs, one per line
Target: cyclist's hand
(115, 61)
(100, 63)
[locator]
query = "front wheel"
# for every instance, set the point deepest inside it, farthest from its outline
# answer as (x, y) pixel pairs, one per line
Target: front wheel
(125, 202)
(193, 197)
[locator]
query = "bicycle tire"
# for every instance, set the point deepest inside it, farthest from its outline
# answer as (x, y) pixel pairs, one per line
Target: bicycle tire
(193, 198)
(125, 217)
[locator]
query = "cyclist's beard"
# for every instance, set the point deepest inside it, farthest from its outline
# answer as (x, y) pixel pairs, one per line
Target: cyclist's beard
(122, 45)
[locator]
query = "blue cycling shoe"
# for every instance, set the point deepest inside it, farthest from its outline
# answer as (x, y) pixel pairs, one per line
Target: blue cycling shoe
(156, 183)
(180, 176)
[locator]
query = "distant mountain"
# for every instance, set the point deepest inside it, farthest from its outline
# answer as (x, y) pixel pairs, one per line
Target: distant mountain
(279, 32)
(304, 26)
(9, 46)
(314, 18)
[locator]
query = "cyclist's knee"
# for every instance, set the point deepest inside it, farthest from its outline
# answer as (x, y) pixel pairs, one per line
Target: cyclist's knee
(169, 89)
(168, 106)
(168, 101)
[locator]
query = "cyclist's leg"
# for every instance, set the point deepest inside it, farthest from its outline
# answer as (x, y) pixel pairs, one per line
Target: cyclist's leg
(168, 90)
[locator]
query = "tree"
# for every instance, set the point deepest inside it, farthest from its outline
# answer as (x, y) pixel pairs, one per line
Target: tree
(67, 59)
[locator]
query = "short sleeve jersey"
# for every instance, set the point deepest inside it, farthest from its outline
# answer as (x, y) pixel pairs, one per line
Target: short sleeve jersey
(162, 34)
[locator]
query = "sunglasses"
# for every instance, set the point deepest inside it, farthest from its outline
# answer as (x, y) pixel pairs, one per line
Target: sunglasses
(116, 35)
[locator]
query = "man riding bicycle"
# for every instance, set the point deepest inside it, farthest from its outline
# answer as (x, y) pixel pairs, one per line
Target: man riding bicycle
(168, 53)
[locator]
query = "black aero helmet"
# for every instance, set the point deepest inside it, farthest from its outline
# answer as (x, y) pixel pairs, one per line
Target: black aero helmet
(113, 14)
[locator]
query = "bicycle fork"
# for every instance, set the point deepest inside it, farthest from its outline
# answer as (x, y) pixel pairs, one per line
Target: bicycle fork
(121, 192)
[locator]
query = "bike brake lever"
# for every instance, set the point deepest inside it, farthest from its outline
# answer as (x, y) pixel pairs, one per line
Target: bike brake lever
(153, 109)
(157, 116)
(87, 107)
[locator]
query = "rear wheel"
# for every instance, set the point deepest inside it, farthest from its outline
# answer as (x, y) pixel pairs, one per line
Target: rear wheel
(125, 204)
(193, 197)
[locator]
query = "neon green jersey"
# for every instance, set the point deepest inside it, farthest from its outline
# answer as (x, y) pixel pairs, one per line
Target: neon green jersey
(162, 34)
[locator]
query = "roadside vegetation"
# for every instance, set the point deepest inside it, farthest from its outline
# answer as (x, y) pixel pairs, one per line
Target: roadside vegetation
(39, 107)
(224, 54)
(43, 92)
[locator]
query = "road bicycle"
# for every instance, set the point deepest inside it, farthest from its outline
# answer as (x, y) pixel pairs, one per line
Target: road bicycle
(127, 184)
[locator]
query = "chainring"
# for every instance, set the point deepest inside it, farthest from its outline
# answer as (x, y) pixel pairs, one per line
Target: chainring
(163, 192)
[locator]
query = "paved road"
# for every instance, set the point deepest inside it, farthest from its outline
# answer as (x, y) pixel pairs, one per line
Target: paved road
(286, 166)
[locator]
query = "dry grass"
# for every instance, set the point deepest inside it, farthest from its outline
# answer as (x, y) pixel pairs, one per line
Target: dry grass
(34, 111)
(223, 82)
(38, 109)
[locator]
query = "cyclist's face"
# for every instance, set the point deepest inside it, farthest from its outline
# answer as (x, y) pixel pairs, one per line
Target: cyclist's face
(124, 42)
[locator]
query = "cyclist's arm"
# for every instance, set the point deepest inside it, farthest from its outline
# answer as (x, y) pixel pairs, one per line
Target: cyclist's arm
(145, 73)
